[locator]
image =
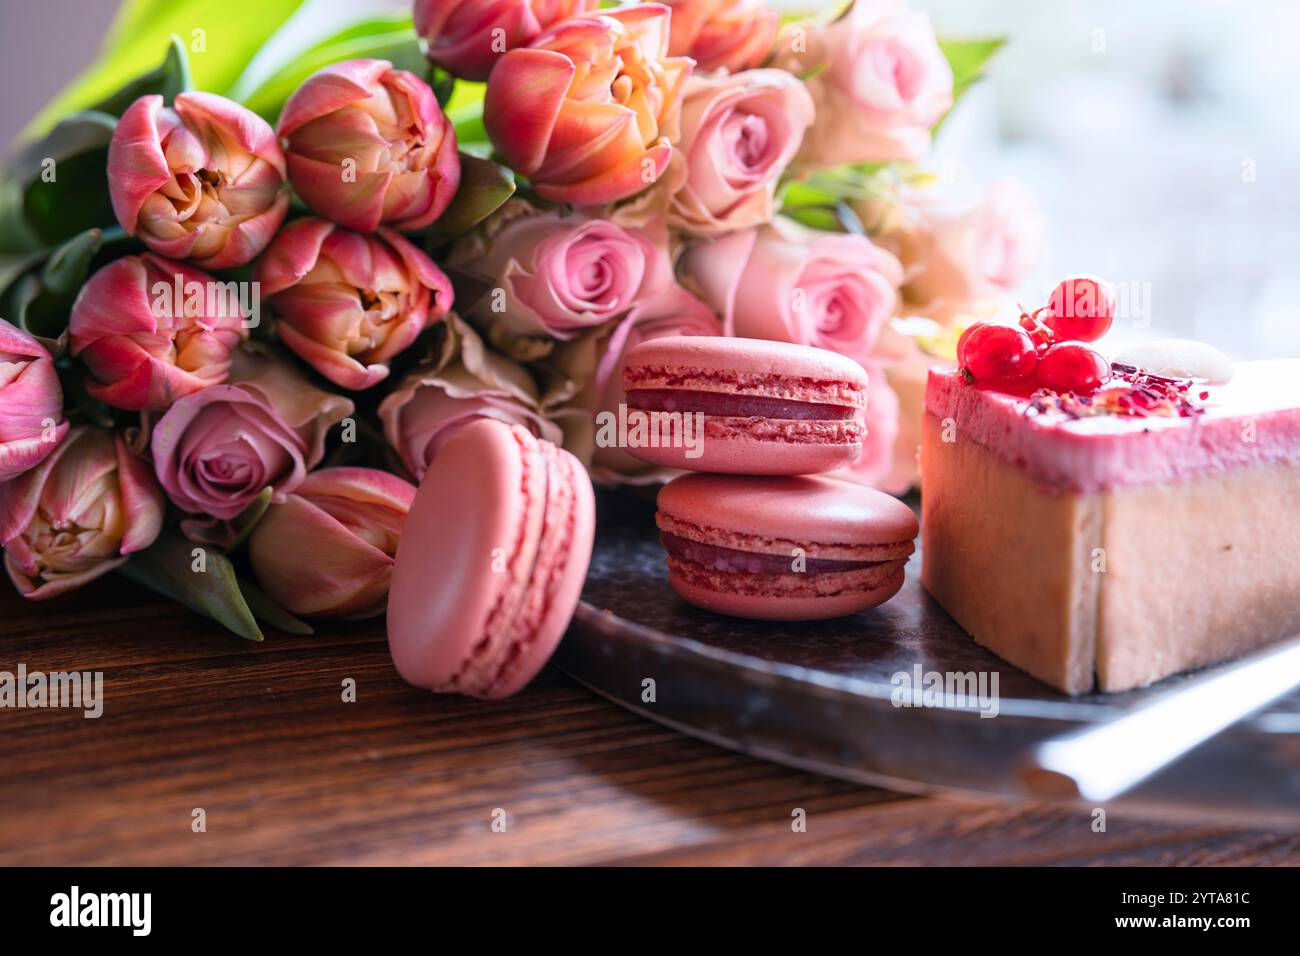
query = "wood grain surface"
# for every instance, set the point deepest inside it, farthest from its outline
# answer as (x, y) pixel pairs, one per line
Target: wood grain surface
(258, 736)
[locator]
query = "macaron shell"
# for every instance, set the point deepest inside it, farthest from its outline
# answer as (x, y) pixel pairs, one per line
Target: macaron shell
(781, 607)
(758, 356)
(753, 456)
(567, 536)
(466, 547)
(806, 509)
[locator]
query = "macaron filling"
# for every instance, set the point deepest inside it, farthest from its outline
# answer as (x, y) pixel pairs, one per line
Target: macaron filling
(732, 560)
(723, 404)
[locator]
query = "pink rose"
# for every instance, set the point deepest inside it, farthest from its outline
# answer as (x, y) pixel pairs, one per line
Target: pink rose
(216, 450)
(674, 312)
(883, 83)
(78, 514)
(959, 261)
(791, 284)
(589, 109)
(561, 274)
(327, 549)
(151, 331)
(739, 133)
(347, 303)
(875, 467)
(202, 180)
(466, 37)
(367, 144)
(31, 402)
(468, 383)
(733, 35)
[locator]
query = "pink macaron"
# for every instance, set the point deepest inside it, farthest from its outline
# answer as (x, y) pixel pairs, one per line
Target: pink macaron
(491, 562)
(783, 549)
(767, 408)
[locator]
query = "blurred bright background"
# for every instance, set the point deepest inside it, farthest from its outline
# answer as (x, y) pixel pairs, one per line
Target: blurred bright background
(1161, 139)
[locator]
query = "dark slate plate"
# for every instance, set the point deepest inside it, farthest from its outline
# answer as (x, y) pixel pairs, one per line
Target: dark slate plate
(818, 695)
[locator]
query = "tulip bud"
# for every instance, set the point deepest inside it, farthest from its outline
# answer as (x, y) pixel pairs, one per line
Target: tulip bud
(733, 35)
(368, 144)
(78, 514)
(588, 110)
(327, 550)
(202, 180)
(346, 303)
(31, 402)
(466, 37)
(151, 331)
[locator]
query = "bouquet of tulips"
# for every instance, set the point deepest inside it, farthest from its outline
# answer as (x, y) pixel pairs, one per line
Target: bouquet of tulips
(245, 305)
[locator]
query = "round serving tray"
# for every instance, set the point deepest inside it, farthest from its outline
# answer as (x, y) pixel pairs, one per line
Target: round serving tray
(822, 695)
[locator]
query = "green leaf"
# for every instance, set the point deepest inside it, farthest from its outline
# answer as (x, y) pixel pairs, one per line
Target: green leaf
(484, 187)
(221, 37)
(169, 79)
(270, 613)
(40, 301)
(167, 567)
(388, 37)
(247, 520)
(969, 61)
(62, 178)
(465, 110)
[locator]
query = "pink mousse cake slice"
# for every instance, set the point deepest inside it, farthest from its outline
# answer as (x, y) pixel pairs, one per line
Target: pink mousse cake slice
(1108, 543)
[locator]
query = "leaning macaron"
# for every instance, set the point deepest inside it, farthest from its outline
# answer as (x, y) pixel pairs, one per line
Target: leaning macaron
(766, 408)
(783, 549)
(491, 561)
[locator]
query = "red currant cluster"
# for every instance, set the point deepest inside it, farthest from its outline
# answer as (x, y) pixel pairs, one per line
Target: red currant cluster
(1046, 350)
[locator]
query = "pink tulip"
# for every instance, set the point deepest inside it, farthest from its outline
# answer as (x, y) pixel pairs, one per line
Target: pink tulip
(31, 403)
(739, 133)
(431, 403)
(367, 144)
(878, 78)
(791, 284)
(151, 331)
(346, 303)
(588, 110)
(202, 180)
(466, 37)
(327, 549)
(674, 312)
(733, 35)
(557, 275)
(216, 450)
(77, 514)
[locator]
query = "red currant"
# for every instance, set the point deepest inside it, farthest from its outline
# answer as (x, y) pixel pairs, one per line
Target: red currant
(1081, 309)
(1039, 332)
(996, 354)
(1072, 367)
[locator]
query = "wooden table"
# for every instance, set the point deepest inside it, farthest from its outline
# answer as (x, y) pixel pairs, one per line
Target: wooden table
(259, 737)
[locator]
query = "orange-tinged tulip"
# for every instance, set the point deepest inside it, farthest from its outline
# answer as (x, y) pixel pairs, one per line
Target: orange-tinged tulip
(588, 111)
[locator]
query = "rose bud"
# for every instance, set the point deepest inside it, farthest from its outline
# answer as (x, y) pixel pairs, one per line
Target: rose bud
(733, 35)
(216, 450)
(587, 111)
(31, 402)
(739, 133)
(559, 275)
(203, 180)
(327, 549)
(465, 37)
(430, 403)
(77, 514)
(878, 79)
(791, 284)
(367, 144)
(346, 303)
(151, 331)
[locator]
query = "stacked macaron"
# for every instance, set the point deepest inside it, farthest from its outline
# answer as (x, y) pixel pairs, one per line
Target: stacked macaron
(764, 535)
